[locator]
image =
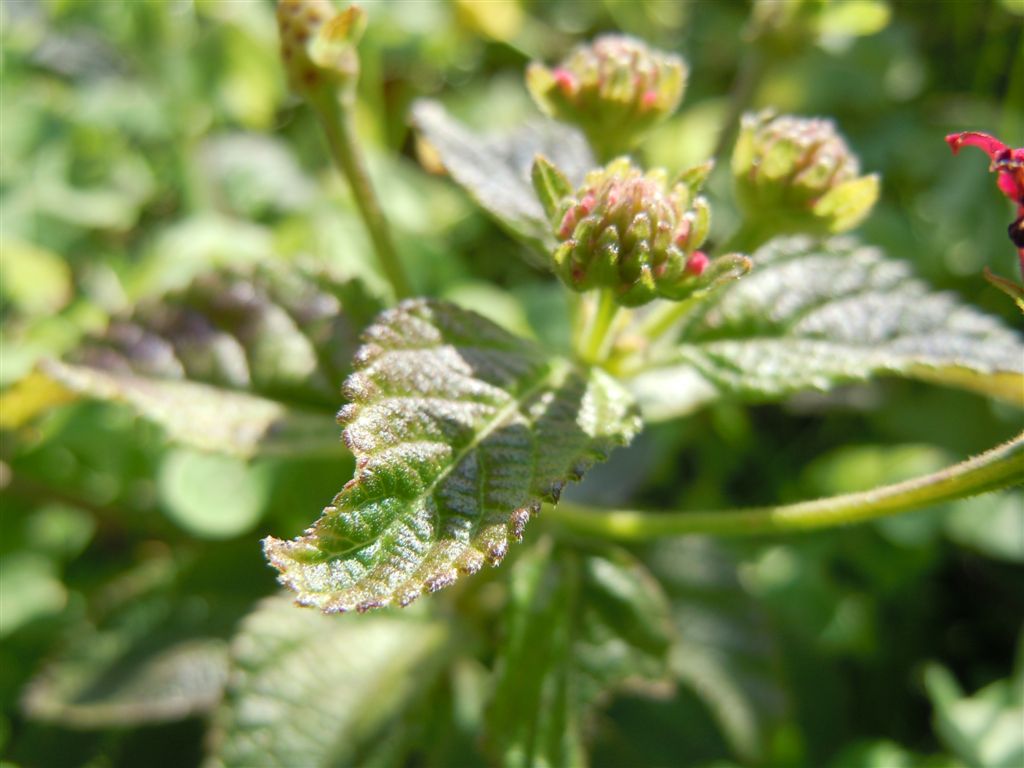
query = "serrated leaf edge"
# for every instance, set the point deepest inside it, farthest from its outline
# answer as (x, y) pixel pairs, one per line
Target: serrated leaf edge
(275, 549)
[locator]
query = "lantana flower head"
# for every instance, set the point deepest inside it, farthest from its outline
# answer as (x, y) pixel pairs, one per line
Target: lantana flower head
(1008, 163)
(614, 88)
(634, 232)
(797, 174)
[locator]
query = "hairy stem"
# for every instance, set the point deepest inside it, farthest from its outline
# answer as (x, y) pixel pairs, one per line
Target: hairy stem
(997, 468)
(339, 126)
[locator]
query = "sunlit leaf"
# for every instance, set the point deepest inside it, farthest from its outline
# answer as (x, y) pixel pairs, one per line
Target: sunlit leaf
(814, 315)
(34, 279)
(459, 430)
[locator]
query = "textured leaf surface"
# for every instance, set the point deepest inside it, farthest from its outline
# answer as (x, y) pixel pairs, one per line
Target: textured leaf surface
(459, 430)
(725, 651)
(310, 690)
(812, 315)
(495, 169)
(580, 624)
(237, 362)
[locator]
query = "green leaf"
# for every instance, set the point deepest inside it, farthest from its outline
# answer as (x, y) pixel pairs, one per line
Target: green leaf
(726, 652)
(312, 690)
(579, 625)
(29, 590)
(33, 279)
(812, 315)
(459, 430)
(212, 496)
(551, 187)
(983, 729)
(239, 362)
(495, 169)
(154, 662)
(887, 754)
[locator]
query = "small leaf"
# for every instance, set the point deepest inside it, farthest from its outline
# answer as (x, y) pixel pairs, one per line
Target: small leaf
(459, 430)
(551, 187)
(35, 280)
(695, 177)
(580, 624)
(312, 690)
(495, 170)
(813, 315)
(237, 362)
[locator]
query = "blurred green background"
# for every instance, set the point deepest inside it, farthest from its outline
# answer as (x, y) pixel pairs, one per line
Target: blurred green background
(144, 142)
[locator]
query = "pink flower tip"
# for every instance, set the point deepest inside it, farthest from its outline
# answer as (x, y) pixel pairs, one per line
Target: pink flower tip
(697, 263)
(1007, 162)
(650, 98)
(564, 79)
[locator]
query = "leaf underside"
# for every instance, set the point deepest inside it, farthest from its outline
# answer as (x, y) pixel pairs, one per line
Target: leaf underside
(460, 430)
(243, 362)
(812, 315)
(495, 169)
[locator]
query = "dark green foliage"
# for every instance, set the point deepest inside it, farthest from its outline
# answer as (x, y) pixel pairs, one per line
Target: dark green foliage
(177, 246)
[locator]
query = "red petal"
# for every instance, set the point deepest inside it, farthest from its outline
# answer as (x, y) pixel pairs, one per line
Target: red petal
(1010, 186)
(989, 145)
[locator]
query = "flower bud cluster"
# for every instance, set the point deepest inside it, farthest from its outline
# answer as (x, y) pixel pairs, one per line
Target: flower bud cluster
(797, 174)
(615, 89)
(318, 46)
(633, 233)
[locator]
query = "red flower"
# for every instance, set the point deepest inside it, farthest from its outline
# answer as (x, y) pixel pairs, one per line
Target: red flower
(1009, 164)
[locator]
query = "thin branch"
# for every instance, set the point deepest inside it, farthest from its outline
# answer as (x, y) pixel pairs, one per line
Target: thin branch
(997, 468)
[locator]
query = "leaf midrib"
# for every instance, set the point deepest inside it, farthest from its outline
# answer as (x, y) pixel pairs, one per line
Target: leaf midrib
(556, 368)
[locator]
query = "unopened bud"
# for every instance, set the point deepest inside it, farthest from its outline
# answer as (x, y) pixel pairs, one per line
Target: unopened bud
(796, 174)
(318, 46)
(614, 89)
(629, 231)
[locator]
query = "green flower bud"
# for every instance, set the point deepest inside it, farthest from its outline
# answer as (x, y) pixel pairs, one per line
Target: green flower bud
(796, 174)
(631, 232)
(318, 47)
(614, 89)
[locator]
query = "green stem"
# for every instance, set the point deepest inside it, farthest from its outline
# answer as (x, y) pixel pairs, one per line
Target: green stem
(999, 467)
(751, 73)
(596, 346)
(339, 126)
(663, 319)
